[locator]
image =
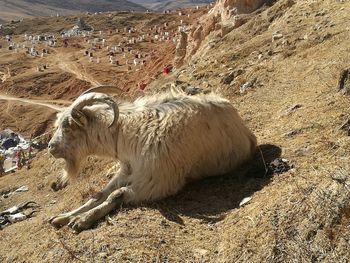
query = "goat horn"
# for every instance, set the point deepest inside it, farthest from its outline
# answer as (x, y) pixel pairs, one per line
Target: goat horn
(104, 89)
(91, 98)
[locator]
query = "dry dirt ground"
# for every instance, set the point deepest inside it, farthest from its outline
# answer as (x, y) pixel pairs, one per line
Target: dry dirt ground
(295, 110)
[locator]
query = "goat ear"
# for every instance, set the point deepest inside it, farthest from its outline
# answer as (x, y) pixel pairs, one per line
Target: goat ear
(79, 118)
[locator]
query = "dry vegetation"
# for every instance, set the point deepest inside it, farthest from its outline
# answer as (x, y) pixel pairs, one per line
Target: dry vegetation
(295, 110)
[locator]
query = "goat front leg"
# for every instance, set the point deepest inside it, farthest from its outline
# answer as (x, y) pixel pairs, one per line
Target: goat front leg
(117, 181)
(86, 220)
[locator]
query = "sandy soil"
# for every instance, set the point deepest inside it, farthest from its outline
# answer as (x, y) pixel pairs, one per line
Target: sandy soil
(294, 108)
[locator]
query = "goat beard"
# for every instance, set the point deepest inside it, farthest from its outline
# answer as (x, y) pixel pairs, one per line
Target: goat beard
(71, 170)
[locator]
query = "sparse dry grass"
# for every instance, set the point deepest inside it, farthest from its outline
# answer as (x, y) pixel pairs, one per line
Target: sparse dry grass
(298, 216)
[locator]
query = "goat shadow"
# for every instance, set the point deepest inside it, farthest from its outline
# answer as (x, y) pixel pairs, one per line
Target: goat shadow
(209, 198)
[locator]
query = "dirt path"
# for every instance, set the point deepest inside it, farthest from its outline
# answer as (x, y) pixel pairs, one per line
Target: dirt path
(47, 103)
(66, 65)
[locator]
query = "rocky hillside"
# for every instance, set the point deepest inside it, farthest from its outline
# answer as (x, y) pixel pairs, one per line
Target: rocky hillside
(16, 9)
(285, 66)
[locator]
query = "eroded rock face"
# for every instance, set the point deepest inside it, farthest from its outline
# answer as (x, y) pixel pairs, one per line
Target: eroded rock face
(225, 16)
(229, 8)
(180, 52)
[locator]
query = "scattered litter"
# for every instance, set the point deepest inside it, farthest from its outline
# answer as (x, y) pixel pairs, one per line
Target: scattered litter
(6, 193)
(18, 213)
(11, 210)
(15, 151)
(246, 86)
(12, 218)
(245, 201)
(22, 189)
(278, 166)
(15, 209)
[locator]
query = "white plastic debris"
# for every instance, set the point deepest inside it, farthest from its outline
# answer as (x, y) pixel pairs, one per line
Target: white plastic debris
(11, 169)
(245, 201)
(17, 217)
(11, 210)
(22, 189)
(244, 87)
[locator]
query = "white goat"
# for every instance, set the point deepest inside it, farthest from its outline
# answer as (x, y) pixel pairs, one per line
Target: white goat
(161, 142)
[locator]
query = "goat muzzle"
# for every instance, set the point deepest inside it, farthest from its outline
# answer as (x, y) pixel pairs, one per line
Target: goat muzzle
(54, 150)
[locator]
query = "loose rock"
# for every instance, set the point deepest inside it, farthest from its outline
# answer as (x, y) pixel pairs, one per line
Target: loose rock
(344, 82)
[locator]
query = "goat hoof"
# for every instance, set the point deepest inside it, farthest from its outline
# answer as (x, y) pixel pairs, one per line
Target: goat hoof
(79, 224)
(59, 221)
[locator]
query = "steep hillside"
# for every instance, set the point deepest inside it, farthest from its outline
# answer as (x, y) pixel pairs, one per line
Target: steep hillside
(281, 67)
(16, 9)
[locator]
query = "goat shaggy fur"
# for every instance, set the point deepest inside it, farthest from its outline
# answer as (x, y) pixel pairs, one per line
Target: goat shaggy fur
(161, 142)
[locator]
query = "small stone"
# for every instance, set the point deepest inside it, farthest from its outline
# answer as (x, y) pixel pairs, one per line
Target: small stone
(245, 201)
(228, 78)
(276, 35)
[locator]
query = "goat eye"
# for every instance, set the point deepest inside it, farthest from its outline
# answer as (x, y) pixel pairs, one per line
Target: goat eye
(66, 127)
(65, 124)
